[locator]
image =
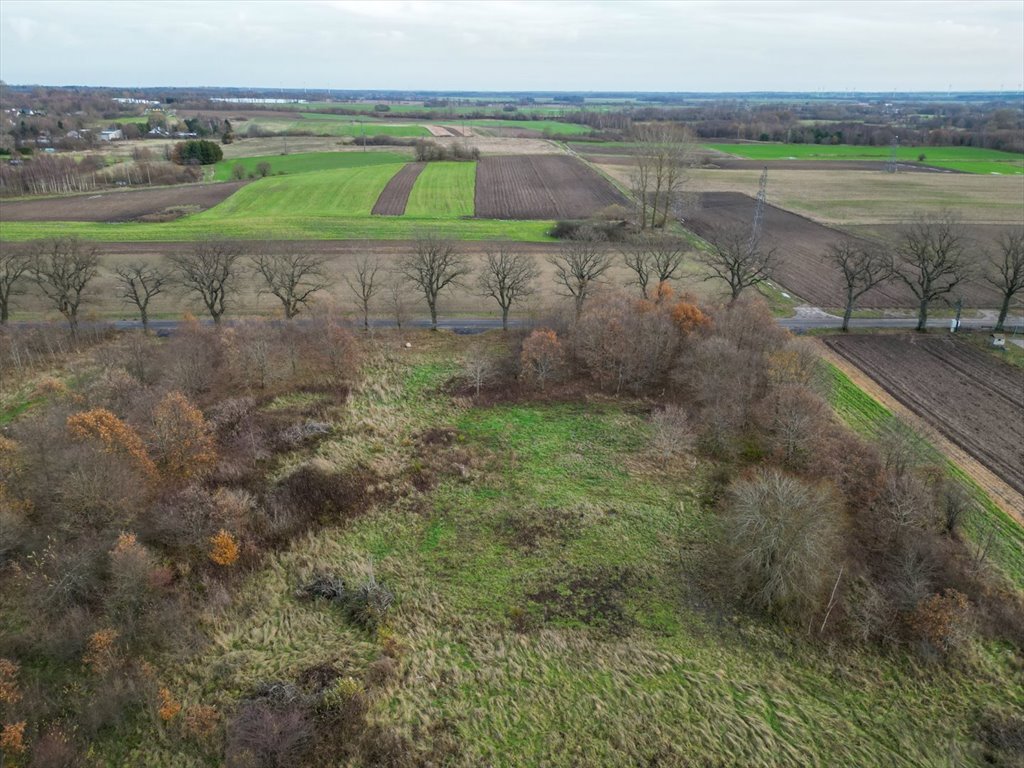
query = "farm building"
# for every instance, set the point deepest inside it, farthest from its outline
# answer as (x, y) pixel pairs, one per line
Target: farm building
(111, 134)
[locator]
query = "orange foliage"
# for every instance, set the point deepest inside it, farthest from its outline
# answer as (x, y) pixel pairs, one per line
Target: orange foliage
(542, 356)
(201, 721)
(9, 691)
(101, 652)
(126, 543)
(186, 447)
(12, 738)
(223, 548)
(942, 619)
(169, 706)
(116, 436)
(688, 317)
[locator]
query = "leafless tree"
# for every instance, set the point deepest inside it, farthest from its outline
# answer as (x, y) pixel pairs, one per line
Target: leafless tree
(14, 263)
(666, 151)
(508, 277)
(653, 259)
(137, 284)
(62, 268)
(931, 262)
(1006, 271)
(365, 285)
(731, 258)
(478, 367)
(579, 265)
(209, 269)
(293, 276)
(863, 267)
(396, 299)
(434, 264)
(672, 433)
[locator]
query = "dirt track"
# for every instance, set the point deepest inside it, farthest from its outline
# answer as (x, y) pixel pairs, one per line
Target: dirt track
(126, 205)
(395, 196)
(541, 187)
(970, 397)
(802, 246)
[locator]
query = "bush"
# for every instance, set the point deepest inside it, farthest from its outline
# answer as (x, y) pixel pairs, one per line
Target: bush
(238, 171)
(196, 152)
(542, 359)
(612, 231)
(265, 734)
(430, 151)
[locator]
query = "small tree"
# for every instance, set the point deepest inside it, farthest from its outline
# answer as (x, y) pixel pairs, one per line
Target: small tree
(182, 439)
(137, 284)
(1006, 272)
(542, 358)
(14, 263)
(209, 269)
(579, 265)
(396, 299)
(731, 258)
(931, 264)
(508, 278)
(434, 265)
(655, 260)
(478, 367)
(63, 268)
(671, 431)
(862, 268)
(292, 276)
(263, 169)
(364, 285)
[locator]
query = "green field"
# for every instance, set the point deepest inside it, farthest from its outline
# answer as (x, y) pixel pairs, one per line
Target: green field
(966, 159)
(306, 162)
(443, 190)
(551, 126)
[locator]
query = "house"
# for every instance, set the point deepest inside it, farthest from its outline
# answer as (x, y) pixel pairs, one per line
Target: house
(111, 134)
(159, 132)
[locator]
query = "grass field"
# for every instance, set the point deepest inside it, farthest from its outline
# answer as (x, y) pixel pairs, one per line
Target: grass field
(443, 190)
(554, 608)
(967, 159)
(306, 162)
(551, 126)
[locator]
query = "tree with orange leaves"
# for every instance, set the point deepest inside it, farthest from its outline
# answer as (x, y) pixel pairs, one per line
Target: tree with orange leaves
(184, 446)
(116, 436)
(542, 357)
(223, 548)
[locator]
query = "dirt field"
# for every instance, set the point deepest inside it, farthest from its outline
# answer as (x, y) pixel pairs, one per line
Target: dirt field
(802, 245)
(968, 396)
(395, 195)
(541, 187)
(127, 205)
(438, 130)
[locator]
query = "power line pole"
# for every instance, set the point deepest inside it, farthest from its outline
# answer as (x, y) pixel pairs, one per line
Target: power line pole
(891, 165)
(755, 229)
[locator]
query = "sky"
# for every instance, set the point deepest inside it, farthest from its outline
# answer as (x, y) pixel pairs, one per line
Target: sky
(501, 45)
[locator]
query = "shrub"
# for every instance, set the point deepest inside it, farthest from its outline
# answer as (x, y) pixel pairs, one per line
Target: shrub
(672, 433)
(238, 171)
(943, 621)
(196, 152)
(10, 693)
(12, 738)
(183, 443)
(542, 359)
(223, 548)
(268, 735)
(115, 436)
(101, 654)
(263, 169)
(169, 707)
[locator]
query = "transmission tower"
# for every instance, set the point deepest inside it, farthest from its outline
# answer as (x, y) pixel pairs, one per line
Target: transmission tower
(890, 166)
(755, 229)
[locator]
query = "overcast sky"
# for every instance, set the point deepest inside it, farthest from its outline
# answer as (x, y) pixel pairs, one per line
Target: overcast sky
(503, 45)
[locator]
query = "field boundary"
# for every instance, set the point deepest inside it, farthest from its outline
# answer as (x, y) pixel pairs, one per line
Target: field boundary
(1007, 499)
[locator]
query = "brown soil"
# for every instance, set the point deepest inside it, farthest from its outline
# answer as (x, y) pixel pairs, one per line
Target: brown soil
(802, 246)
(437, 130)
(969, 397)
(394, 197)
(122, 205)
(541, 187)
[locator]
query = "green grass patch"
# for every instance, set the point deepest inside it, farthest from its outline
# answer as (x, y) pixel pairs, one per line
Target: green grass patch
(967, 159)
(443, 190)
(548, 126)
(306, 162)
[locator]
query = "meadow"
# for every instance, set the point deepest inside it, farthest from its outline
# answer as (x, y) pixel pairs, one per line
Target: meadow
(964, 159)
(306, 161)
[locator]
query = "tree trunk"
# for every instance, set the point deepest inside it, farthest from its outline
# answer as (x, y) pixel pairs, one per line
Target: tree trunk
(504, 318)
(922, 316)
(848, 312)
(144, 316)
(433, 316)
(366, 318)
(5, 313)
(1004, 310)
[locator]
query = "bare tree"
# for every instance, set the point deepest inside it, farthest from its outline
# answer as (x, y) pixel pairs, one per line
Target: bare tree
(1006, 271)
(508, 278)
(653, 259)
(137, 284)
(63, 267)
(658, 177)
(579, 265)
(210, 270)
(14, 263)
(292, 276)
(931, 263)
(478, 367)
(434, 265)
(365, 285)
(863, 267)
(396, 299)
(731, 258)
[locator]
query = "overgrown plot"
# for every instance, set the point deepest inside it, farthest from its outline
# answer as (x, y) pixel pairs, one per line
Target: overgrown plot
(395, 197)
(541, 187)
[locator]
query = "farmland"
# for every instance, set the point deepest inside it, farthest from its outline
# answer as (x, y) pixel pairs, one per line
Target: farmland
(967, 395)
(443, 190)
(395, 196)
(541, 187)
(963, 159)
(305, 162)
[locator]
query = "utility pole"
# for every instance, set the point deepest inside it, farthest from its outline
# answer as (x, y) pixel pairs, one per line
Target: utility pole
(891, 165)
(755, 229)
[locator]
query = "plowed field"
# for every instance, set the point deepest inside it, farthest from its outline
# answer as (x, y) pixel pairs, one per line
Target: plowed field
(393, 199)
(970, 397)
(541, 187)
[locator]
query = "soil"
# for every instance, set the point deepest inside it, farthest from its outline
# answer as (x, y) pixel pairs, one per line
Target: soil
(541, 187)
(802, 247)
(394, 197)
(437, 130)
(122, 205)
(968, 396)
